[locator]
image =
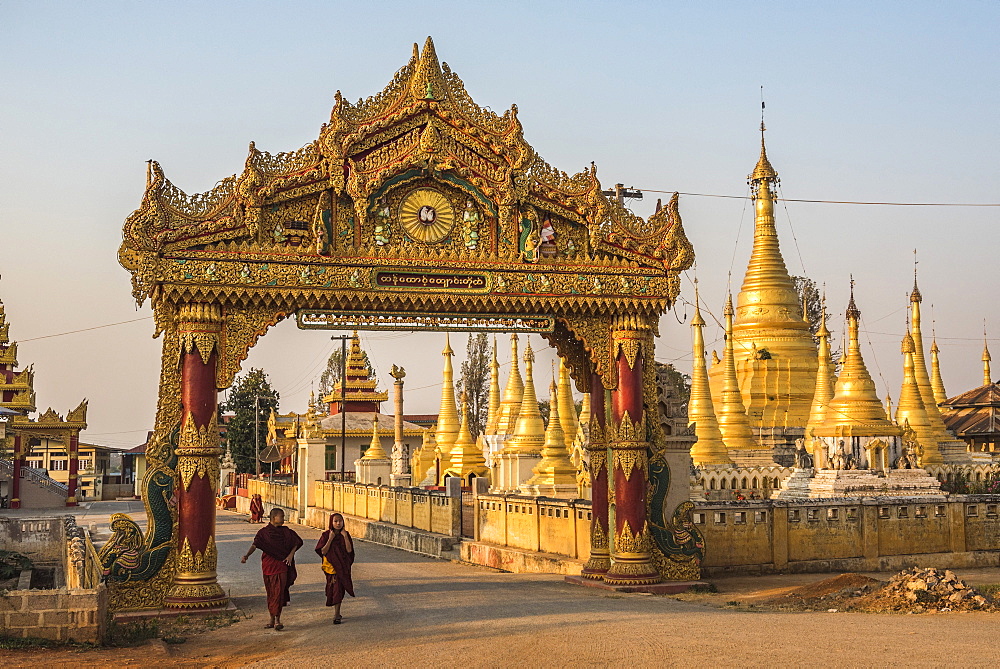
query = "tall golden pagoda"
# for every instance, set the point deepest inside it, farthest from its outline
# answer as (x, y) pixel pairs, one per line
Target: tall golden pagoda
(855, 409)
(911, 411)
(568, 420)
(987, 377)
(529, 433)
(465, 460)
(731, 414)
(511, 403)
(493, 413)
(824, 381)
(554, 475)
(937, 383)
(775, 355)
(447, 428)
(951, 449)
(709, 448)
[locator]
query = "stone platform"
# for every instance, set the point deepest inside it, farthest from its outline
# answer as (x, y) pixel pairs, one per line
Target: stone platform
(665, 588)
(832, 483)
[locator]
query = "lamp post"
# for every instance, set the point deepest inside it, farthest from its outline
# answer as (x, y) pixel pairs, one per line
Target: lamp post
(343, 402)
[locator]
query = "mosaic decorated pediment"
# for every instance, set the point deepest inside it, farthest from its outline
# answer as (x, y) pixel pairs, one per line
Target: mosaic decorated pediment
(418, 175)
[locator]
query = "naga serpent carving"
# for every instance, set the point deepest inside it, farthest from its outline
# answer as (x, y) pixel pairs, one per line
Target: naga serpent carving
(681, 546)
(130, 555)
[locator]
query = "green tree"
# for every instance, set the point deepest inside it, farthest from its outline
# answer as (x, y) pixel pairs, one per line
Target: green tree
(250, 393)
(331, 374)
(475, 380)
(812, 300)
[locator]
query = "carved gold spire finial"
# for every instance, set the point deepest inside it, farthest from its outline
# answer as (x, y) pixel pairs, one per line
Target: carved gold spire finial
(529, 433)
(709, 448)
(987, 377)
(732, 414)
(447, 425)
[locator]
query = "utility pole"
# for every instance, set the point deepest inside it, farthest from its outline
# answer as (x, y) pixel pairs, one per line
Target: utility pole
(620, 193)
(343, 402)
(256, 430)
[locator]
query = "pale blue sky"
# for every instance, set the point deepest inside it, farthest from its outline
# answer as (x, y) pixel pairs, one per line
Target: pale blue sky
(865, 101)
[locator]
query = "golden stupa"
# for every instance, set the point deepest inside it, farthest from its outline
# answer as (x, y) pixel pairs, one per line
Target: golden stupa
(709, 449)
(775, 355)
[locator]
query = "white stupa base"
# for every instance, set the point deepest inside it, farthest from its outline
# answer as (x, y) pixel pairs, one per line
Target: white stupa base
(556, 490)
(513, 469)
(375, 472)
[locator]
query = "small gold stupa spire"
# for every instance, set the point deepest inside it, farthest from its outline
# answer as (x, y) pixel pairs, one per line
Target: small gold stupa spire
(709, 448)
(493, 414)
(920, 366)
(375, 450)
(855, 408)
(937, 383)
(987, 377)
(567, 408)
(511, 403)
(910, 409)
(555, 467)
(585, 410)
(529, 433)
(465, 457)
(732, 414)
(824, 380)
(447, 424)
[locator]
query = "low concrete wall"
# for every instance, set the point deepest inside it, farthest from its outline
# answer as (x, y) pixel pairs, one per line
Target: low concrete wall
(115, 490)
(62, 615)
(518, 561)
(41, 539)
(387, 534)
(434, 511)
(871, 534)
(536, 524)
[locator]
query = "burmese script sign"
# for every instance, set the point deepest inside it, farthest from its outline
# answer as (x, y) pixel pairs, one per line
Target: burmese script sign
(431, 281)
(321, 319)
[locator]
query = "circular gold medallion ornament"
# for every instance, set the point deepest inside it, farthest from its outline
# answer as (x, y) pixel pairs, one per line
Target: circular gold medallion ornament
(426, 215)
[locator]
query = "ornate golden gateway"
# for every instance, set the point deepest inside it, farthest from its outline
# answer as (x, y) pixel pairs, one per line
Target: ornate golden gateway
(415, 200)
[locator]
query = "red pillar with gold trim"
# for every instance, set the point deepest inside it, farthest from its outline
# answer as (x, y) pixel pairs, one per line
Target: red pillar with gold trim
(74, 468)
(628, 461)
(600, 557)
(195, 582)
(15, 480)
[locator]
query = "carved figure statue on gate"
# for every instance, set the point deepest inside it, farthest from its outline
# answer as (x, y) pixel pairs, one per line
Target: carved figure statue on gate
(839, 459)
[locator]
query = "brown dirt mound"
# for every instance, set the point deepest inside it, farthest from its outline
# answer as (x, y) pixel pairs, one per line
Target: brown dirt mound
(910, 591)
(828, 591)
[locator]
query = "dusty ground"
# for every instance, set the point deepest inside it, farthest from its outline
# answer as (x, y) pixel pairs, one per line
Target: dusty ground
(416, 611)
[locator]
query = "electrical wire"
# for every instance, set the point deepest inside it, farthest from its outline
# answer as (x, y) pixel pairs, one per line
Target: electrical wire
(96, 327)
(791, 199)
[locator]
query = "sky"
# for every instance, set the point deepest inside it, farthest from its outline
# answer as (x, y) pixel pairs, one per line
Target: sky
(888, 102)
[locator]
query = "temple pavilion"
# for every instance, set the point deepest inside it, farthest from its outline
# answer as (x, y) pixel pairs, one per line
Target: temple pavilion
(31, 446)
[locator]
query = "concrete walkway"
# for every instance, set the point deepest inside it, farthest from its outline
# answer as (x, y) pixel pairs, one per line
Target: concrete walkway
(418, 611)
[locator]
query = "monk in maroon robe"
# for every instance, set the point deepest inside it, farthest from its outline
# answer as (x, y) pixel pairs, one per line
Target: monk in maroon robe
(336, 549)
(256, 509)
(278, 545)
